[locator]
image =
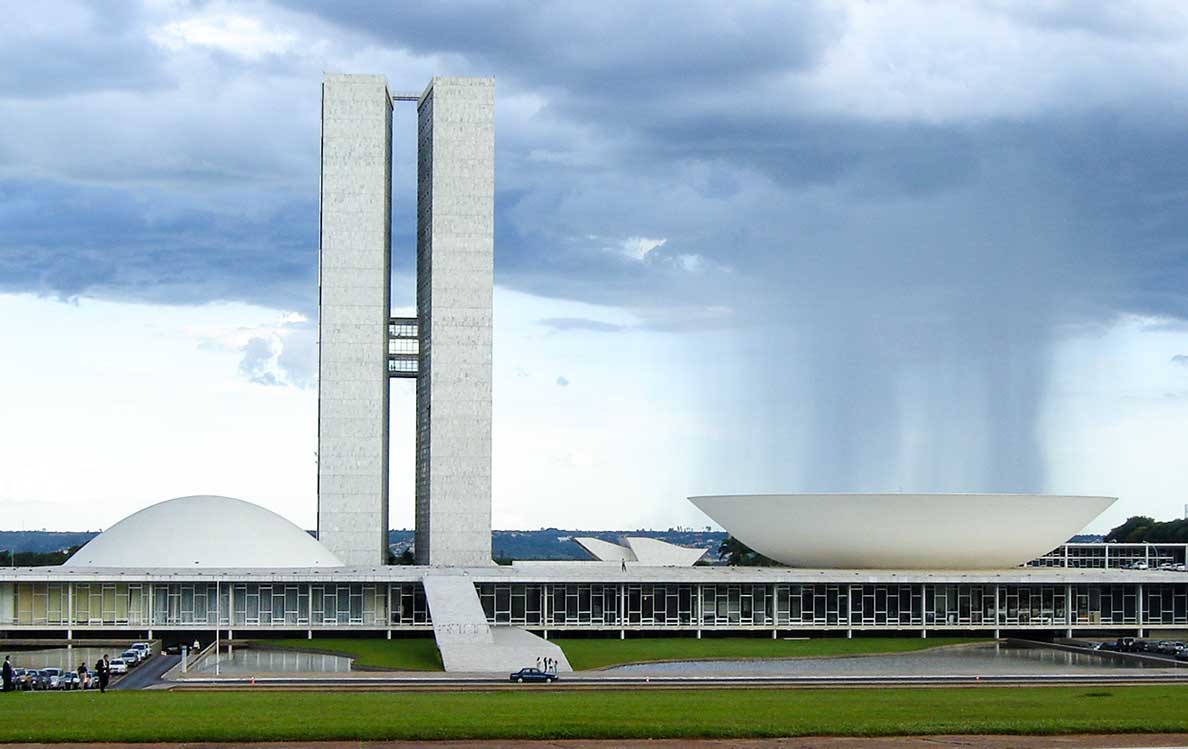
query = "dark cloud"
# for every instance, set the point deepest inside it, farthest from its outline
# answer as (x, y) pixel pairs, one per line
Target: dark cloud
(885, 282)
(152, 245)
(63, 49)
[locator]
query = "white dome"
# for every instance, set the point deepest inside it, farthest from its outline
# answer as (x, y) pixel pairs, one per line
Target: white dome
(203, 531)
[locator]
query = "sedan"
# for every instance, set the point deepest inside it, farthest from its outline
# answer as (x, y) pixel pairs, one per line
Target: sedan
(52, 677)
(118, 666)
(532, 675)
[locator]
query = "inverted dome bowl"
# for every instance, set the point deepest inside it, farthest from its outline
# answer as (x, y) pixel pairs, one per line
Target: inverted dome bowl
(902, 531)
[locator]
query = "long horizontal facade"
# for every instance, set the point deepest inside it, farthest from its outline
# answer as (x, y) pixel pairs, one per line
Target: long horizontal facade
(1112, 556)
(652, 599)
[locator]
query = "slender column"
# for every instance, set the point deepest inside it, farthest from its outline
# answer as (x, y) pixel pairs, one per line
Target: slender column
(69, 611)
(1068, 606)
(997, 612)
(849, 612)
(1138, 611)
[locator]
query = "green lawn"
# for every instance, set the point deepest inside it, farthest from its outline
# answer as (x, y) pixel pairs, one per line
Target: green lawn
(397, 654)
(585, 654)
(550, 712)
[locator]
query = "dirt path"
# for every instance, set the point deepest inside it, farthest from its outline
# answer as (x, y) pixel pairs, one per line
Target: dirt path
(1111, 741)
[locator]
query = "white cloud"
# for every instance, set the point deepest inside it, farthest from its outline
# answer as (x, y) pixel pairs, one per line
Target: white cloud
(638, 248)
(242, 36)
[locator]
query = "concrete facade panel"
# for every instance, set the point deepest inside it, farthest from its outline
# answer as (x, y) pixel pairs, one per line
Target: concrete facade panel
(455, 264)
(354, 303)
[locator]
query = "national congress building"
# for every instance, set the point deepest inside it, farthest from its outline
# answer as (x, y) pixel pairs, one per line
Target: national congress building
(914, 564)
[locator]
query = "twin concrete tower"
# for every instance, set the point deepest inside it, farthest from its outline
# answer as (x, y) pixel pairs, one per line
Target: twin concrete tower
(446, 347)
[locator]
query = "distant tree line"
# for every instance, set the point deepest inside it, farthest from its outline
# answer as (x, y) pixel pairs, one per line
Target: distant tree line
(1141, 528)
(735, 553)
(36, 558)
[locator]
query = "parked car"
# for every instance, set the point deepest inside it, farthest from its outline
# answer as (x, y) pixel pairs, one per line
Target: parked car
(144, 648)
(69, 680)
(1170, 647)
(132, 656)
(1124, 645)
(1149, 646)
(119, 666)
(53, 677)
(529, 675)
(39, 680)
(1182, 655)
(22, 679)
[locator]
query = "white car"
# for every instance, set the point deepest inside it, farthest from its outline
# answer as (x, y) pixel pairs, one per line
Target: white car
(144, 648)
(54, 676)
(118, 666)
(133, 657)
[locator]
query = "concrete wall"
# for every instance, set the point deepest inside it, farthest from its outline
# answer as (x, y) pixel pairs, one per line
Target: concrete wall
(455, 270)
(353, 305)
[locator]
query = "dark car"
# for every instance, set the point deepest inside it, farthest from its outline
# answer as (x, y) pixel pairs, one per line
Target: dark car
(1126, 645)
(1170, 647)
(22, 679)
(532, 675)
(1182, 655)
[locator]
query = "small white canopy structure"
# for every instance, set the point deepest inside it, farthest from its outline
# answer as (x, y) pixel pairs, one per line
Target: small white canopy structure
(648, 552)
(203, 531)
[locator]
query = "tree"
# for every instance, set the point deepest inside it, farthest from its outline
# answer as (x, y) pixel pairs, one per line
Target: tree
(1140, 528)
(735, 553)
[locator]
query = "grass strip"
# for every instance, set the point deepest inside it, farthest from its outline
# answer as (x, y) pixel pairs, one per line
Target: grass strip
(552, 713)
(590, 653)
(397, 654)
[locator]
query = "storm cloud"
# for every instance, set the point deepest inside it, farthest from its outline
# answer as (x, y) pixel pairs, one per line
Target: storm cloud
(884, 217)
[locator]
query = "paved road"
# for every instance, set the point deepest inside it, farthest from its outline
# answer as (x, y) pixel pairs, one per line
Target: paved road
(147, 674)
(448, 682)
(1116, 741)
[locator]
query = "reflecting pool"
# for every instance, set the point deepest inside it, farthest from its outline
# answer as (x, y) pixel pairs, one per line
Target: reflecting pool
(265, 661)
(991, 659)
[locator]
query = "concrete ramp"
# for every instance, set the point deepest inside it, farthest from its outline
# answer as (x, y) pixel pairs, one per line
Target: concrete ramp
(467, 642)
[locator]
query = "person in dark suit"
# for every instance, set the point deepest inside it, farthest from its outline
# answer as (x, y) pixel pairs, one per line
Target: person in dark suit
(103, 671)
(7, 674)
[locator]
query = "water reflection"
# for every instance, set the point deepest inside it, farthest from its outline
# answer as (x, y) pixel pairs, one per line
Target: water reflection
(982, 660)
(264, 661)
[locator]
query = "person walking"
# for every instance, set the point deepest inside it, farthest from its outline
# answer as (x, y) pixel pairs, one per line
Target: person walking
(84, 676)
(103, 671)
(7, 669)
(538, 663)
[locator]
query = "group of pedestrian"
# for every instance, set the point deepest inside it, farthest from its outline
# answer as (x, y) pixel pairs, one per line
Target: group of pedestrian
(546, 664)
(102, 673)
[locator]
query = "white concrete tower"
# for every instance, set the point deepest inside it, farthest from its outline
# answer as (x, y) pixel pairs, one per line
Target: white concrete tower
(455, 275)
(354, 290)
